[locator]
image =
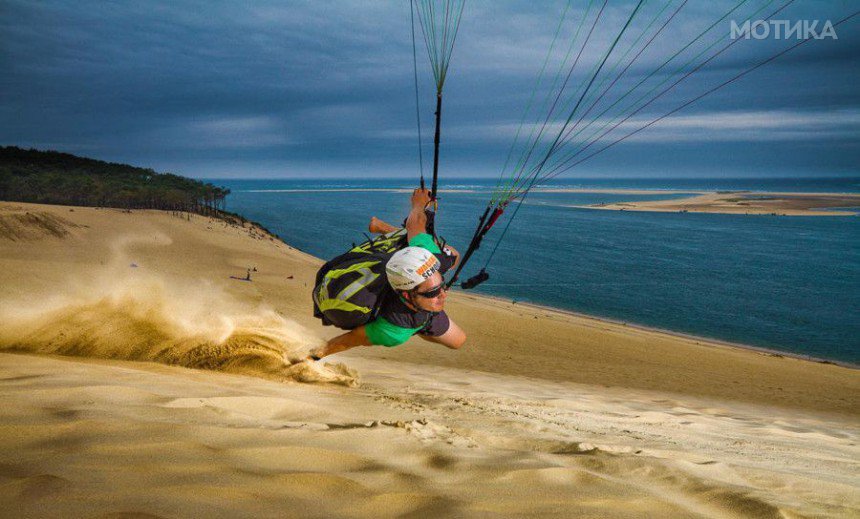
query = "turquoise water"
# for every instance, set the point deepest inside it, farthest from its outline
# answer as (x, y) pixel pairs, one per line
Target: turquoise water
(785, 283)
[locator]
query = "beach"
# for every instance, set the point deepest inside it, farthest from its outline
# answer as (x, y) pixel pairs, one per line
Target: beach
(142, 374)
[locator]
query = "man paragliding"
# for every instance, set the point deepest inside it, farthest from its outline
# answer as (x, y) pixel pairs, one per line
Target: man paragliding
(389, 288)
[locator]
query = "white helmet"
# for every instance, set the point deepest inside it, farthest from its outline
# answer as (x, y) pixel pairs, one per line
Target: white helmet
(409, 267)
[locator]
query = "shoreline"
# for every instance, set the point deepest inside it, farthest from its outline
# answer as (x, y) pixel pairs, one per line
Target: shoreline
(707, 341)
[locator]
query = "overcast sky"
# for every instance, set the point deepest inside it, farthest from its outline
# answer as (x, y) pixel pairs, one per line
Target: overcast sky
(307, 89)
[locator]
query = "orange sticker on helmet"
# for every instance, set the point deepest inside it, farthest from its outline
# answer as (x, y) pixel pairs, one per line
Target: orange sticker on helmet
(428, 268)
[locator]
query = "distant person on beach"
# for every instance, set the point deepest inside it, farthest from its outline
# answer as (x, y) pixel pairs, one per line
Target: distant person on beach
(417, 303)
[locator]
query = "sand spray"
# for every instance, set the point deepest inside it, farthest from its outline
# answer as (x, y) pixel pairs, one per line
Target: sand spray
(129, 312)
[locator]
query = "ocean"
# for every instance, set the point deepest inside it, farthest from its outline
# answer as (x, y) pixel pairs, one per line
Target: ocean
(790, 284)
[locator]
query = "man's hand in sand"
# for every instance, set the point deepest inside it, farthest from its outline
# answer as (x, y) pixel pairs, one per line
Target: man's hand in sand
(343, 342)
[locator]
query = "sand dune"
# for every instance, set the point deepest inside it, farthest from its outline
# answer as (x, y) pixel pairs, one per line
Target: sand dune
(153, 384)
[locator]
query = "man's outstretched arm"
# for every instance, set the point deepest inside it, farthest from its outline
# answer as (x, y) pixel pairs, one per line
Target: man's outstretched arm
(346, 341)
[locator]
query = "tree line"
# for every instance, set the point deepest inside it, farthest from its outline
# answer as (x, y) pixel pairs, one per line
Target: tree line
(50, 177)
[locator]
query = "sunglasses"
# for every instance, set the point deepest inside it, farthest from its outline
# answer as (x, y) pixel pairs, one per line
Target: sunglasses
(433, 292)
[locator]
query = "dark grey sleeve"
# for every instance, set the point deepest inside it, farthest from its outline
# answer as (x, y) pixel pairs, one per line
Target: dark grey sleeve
(437, 326)
(446, 261)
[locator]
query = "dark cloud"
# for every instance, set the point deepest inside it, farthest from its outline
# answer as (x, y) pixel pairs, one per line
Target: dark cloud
(325, 88)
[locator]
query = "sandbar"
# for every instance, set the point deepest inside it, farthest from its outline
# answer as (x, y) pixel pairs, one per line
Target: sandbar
(752, 203)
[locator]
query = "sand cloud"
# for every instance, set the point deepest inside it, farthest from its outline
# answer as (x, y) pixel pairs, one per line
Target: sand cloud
(132, 313)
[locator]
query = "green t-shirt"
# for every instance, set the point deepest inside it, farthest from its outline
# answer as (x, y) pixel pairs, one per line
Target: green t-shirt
(383, 333)
(426, 241)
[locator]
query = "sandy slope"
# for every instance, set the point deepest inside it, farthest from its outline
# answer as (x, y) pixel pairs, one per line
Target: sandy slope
(543, 413)
(89, 438)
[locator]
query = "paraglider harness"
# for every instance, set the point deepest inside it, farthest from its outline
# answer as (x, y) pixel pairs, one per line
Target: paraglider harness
(350, 289)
